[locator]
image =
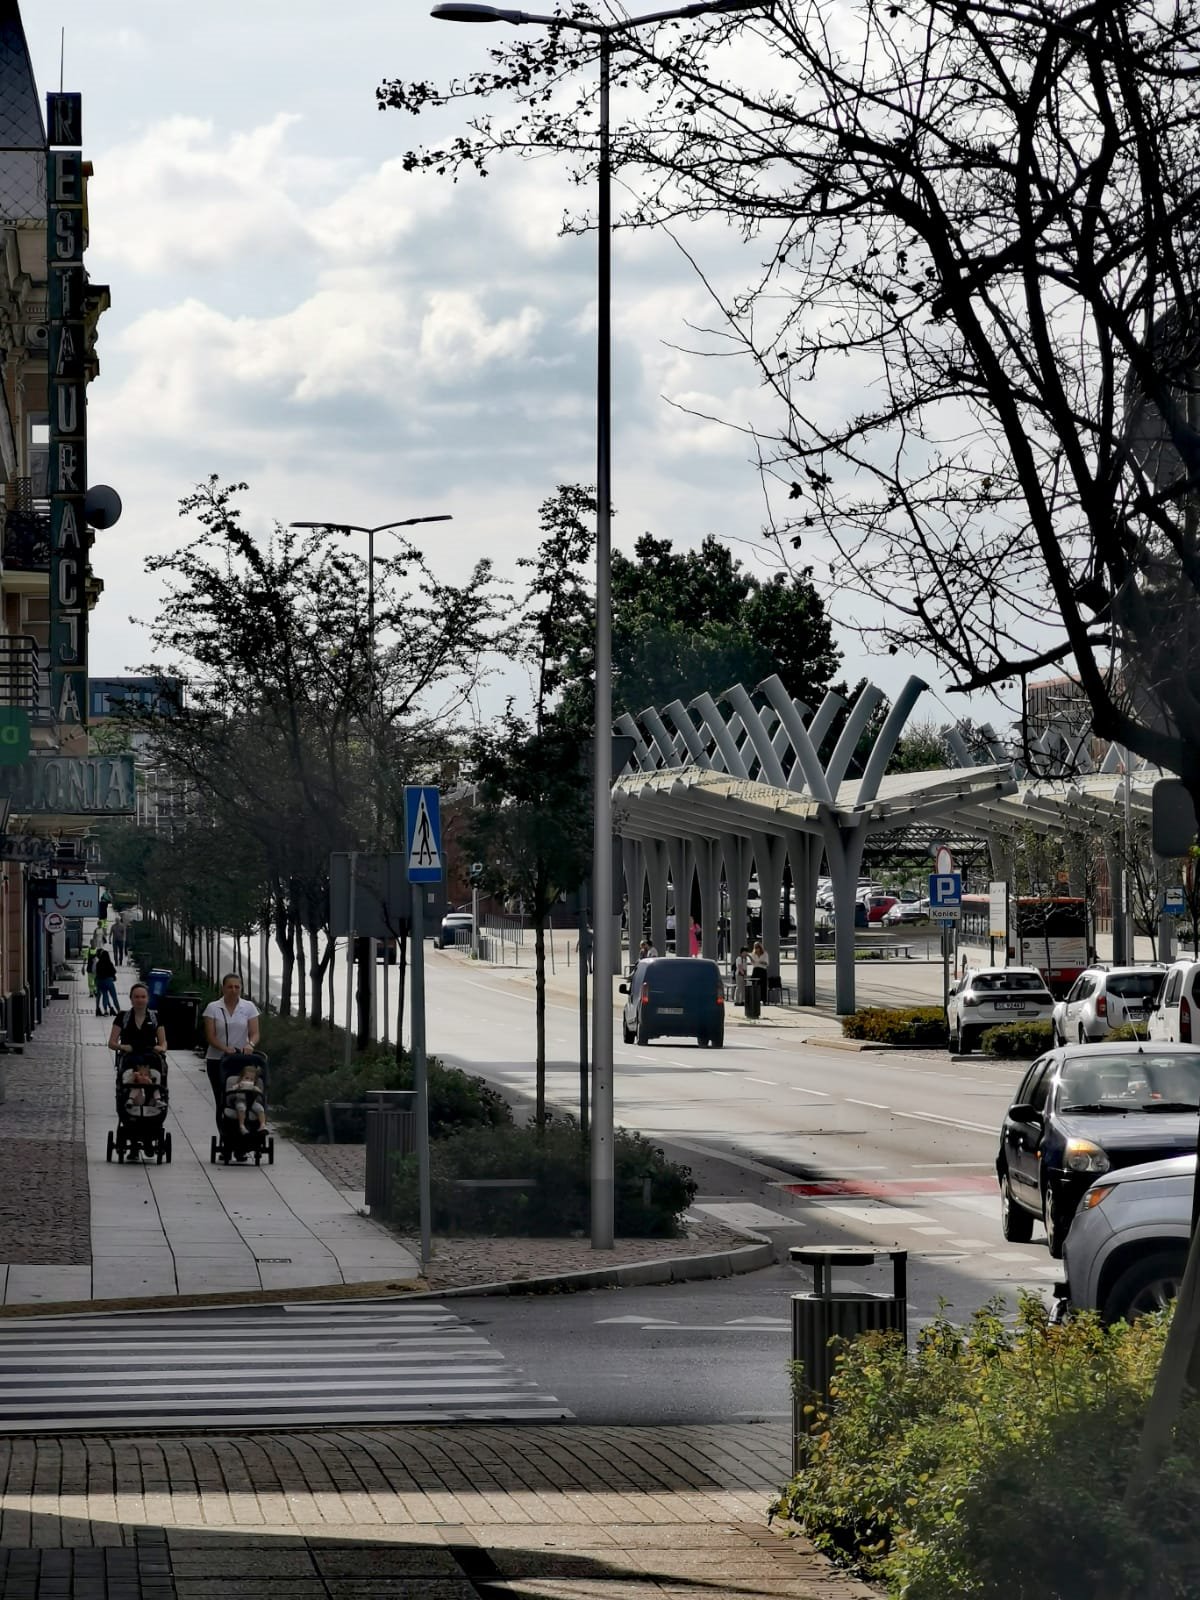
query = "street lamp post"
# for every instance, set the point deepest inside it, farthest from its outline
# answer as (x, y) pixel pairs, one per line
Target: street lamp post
(367, 997)
(603, 942)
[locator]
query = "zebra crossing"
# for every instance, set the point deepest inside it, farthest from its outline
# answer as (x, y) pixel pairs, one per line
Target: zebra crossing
(273, 1366)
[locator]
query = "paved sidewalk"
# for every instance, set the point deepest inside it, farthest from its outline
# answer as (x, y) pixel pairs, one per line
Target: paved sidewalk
(185, 1228)
(473, 1513)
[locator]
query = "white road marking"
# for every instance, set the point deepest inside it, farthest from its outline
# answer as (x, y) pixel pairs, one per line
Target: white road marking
(874, 1104)
(932, 1228)
(770, 1082)
(744, 1214)
(950, 1122)
(797, 1088)
(985, 1165)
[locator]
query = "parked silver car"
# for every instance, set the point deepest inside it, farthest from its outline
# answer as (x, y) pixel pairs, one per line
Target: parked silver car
(1106, 997)
(1127, 1246)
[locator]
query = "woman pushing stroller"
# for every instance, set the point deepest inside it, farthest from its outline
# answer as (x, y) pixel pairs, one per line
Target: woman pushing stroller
(237, 1071)
(139, 1043)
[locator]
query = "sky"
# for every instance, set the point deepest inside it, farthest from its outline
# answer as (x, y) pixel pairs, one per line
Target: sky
(291, 309)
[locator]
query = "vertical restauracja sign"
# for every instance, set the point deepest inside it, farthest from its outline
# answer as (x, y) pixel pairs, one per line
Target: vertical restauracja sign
(65, 239)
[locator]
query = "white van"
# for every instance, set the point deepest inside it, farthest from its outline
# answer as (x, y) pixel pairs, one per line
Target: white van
(1176, 1017)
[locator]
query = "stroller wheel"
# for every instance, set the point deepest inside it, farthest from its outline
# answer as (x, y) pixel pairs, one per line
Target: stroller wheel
(120, 1155)
(212, 1151)
(270, 1152)
(167, 1147)
(158, 1157)
(108, 1153)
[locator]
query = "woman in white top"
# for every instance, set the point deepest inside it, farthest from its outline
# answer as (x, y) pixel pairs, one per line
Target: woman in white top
(231, 1029)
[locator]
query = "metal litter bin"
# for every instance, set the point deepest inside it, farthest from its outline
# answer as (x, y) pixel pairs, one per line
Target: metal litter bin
(391, 1132)
(827, 1314)
(753, 1002)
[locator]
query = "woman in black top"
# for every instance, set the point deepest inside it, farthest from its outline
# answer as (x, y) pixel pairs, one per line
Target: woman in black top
(138, 1033)
(106, 982)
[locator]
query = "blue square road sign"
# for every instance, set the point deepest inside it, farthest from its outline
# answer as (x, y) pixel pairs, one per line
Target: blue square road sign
(423, 834)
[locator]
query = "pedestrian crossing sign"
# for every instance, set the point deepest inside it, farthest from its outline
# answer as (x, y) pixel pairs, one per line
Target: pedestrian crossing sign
(423, 834)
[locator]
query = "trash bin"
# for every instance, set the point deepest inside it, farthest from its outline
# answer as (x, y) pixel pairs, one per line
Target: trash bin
(828, 1314)
(158, 983)
(753, 1002)
(180, 1016)
(391, 1132)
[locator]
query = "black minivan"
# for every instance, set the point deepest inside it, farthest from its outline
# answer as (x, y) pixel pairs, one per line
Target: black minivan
(675, 995)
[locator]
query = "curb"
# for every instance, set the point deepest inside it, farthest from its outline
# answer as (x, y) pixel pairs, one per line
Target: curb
(670, 1269)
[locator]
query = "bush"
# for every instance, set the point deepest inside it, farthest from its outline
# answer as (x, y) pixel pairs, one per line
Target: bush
(992, 1463)
(1018, 1039)
(307, 1069)
(913, 1025)
(557, 1202)
(1126, 1031)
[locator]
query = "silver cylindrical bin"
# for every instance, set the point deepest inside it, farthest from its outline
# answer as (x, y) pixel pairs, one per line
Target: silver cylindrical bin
(391, 1132)
(826, 1315)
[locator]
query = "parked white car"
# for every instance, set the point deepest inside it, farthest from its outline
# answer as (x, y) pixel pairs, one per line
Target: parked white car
(1175, 1017)
(1106, 997)
(992, 996)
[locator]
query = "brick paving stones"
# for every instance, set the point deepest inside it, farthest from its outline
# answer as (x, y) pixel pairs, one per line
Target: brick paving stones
(471, 1513)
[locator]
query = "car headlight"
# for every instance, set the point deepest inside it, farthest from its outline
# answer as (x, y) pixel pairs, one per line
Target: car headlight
(1097, 1193)
(1081, 1155)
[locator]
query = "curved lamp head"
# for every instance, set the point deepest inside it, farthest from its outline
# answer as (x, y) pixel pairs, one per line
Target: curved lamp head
(471, 13)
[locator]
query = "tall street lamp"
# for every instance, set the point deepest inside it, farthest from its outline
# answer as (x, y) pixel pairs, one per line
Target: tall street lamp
(367, 994)
(603, 942)
(385, 527)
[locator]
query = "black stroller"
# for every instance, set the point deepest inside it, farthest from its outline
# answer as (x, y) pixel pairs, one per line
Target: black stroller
(142, 1097)
(241, 1138)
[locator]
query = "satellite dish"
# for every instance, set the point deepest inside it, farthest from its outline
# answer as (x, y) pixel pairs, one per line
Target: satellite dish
(102, 506)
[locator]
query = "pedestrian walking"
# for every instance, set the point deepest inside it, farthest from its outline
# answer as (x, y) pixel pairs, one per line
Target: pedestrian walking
(118, 943)
(137, 1032)
(89, 967)
(107, 1004)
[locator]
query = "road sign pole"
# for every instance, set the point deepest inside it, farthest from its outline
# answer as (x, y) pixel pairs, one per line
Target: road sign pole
(945, 965)
(421, 1070)
(423, 837)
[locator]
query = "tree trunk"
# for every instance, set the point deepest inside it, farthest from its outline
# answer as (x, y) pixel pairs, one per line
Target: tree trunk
(363, 994)
(301, 970)
(281, 933)
(539, 1011)
(401, 976)
(1179, 1369)
(330, 952)
(316, 975)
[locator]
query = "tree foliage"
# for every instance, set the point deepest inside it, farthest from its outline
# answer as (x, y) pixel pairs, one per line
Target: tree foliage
(973, 298)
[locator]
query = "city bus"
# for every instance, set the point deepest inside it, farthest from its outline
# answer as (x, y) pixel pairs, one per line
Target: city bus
(1049, 932)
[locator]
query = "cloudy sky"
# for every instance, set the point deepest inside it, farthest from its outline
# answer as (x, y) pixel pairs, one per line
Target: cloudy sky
(291, 309)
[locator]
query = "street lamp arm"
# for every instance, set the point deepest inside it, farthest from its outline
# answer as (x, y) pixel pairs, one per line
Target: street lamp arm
(480, 13)
(386, 527)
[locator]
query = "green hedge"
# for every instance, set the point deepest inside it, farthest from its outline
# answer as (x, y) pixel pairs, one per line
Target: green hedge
(1125, 1032)
(992, 1463)
(557, 1200)
(914, 1025)
(1018, 1039)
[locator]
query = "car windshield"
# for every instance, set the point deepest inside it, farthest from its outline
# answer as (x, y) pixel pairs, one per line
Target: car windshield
(1008, 983)
(1140, 1081)
(1134, 985)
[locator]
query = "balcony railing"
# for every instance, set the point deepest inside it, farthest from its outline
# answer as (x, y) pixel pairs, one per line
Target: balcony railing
(26, 528)
(23, 682)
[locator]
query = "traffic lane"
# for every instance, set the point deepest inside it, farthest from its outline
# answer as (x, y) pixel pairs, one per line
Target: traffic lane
(670, 1354)
(712, 1352)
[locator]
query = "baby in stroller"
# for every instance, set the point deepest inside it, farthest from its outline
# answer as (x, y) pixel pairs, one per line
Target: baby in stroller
(244, 1130)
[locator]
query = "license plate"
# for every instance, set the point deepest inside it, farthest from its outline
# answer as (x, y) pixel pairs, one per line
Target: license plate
(1010, 1005)
(1134, 1016)
(670, 1011)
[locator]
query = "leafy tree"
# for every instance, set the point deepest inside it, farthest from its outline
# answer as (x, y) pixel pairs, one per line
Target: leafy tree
(531, 827)
(297, 730)
(920, 748)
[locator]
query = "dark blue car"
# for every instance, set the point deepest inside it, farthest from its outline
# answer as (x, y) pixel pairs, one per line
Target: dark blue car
(1083, 1110)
